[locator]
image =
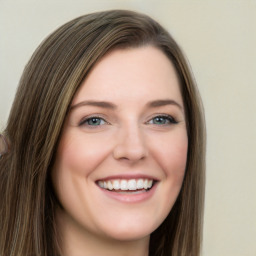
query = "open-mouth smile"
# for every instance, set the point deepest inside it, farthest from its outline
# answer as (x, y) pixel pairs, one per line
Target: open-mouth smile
(126, 184)
(124, 188)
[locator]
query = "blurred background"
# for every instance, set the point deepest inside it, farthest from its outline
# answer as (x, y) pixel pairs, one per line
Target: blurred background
(219, 40)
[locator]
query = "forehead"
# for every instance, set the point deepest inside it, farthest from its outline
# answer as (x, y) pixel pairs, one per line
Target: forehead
(131, 73)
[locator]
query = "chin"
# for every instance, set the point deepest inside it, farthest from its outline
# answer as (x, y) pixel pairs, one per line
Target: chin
(128, 230)
(129, 234)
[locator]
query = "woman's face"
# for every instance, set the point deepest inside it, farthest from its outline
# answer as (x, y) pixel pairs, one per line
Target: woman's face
(122, 155)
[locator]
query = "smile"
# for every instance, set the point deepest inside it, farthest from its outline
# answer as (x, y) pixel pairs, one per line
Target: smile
(128, 189)
(126, 184)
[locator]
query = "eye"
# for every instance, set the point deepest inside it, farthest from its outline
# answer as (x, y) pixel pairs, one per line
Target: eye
(93, 121)
(162, 120)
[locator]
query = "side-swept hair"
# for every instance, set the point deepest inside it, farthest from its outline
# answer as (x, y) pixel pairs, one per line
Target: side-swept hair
(49, 82)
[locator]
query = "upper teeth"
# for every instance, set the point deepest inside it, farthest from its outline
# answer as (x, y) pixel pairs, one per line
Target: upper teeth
(132, 184)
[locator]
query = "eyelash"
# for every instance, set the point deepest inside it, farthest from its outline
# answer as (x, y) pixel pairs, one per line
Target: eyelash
(88, 119)
(171, 120)
(167, 118)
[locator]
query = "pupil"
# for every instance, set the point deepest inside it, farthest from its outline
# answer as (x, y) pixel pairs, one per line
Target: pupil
(94, 121)
(159, 120)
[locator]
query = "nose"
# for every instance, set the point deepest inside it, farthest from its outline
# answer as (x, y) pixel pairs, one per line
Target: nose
(130, 144)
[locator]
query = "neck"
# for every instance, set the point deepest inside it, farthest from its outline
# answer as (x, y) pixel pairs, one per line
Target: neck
(77, 241)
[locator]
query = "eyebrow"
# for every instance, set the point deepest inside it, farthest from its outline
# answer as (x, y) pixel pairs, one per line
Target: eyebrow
(161, 103)
(109, 105)
(102, 104)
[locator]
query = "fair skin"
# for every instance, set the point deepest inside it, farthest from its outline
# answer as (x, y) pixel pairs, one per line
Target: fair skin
(125, 130)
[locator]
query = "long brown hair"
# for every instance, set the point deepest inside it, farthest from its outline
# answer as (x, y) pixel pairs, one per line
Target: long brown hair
(47, 87)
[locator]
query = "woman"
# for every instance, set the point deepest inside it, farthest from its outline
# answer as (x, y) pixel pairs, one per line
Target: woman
(106, 145)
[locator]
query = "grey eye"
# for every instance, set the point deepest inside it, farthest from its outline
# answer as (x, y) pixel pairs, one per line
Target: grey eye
(93, 121)
(162, 120)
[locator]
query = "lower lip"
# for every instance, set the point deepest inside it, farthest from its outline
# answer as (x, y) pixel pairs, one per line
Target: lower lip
(130, 198)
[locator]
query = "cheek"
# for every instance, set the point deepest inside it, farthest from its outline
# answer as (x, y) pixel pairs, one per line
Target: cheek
(80, 154)
(176, 160)
(172, 156)
(76, 159)
(176, 163)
